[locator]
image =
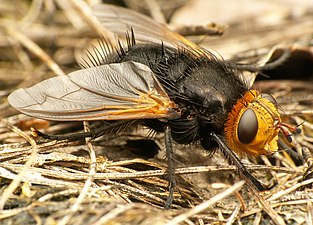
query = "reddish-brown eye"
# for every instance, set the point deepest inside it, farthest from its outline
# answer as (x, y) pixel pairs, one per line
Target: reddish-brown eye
(247, 127)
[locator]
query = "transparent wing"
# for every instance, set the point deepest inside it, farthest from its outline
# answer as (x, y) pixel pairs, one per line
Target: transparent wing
(120, 20)
(115, 91)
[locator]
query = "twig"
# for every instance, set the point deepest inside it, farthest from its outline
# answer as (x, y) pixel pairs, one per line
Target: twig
(88, 182)
(85, 13)
(33, 12)
(107, 218)
(287, 191)
(131, 174)
(155, 11)
(203, 206)
(34, 48)
(277, 219)
(233, 216)
(14, 184)
(310, 210)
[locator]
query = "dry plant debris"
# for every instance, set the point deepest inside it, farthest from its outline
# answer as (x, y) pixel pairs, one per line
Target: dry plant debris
(107, 181)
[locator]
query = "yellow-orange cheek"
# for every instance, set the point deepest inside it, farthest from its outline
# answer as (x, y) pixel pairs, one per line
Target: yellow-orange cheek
(262, 142)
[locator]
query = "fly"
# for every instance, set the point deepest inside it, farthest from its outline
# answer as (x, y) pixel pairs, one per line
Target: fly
(162, 81)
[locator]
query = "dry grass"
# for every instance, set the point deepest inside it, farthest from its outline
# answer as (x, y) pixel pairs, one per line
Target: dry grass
(105, 181)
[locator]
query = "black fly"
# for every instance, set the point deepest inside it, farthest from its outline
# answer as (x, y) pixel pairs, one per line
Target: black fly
(162, 81)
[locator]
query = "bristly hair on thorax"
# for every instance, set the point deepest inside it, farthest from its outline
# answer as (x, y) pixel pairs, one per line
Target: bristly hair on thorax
(107, 51)
(171, 65)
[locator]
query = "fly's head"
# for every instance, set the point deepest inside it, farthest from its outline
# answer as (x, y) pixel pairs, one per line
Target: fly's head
(253, 125)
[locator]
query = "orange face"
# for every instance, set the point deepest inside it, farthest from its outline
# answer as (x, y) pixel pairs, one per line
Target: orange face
(253, 125)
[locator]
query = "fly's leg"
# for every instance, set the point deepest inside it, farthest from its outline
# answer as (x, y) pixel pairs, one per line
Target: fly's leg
(103, 129)
(170, 166)
(232, 157)
(73, 136)
(269, 66)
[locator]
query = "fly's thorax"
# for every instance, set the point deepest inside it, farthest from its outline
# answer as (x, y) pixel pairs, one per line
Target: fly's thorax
(253, 125)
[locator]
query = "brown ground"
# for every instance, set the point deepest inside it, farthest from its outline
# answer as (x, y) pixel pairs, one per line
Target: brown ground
(49, 182)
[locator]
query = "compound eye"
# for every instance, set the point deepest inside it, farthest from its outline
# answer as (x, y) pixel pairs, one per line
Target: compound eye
(247, 127)
(270, 98)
